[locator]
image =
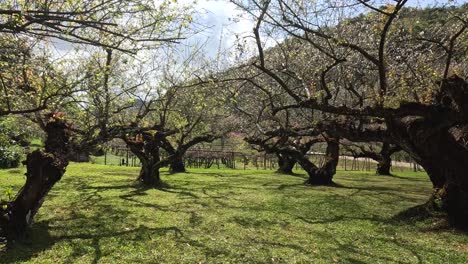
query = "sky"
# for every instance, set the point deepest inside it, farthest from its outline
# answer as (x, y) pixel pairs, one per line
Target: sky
(220, 16)
(223, 25)
(216, 15)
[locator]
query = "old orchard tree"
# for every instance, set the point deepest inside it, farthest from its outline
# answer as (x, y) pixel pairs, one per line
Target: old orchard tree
(379, 77)
(26, 27)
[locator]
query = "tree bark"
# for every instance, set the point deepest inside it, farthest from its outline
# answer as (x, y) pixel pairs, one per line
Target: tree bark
(146, 146)
(177, 165)
(446, 163)
(297, 151)
(385, 159)
(149, 173)
(383, 166)
(285, 164)
(434, 135)
(323, 175)
(177, 152)
(44, 169)
(438, 142)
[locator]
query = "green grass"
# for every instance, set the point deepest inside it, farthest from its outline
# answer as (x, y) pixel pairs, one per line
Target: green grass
(36, 143)
(99, 214)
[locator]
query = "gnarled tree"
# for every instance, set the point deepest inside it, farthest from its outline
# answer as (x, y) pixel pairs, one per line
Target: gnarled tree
(296, 145)
(146, 146)
(382, 157)
(114, 25)
(390, 78)
(44, 169)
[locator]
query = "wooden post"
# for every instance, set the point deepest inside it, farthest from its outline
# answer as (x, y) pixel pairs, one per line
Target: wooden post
(126, 162)
(233, 160)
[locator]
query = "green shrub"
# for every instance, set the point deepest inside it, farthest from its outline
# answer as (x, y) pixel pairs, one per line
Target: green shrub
(10, 157)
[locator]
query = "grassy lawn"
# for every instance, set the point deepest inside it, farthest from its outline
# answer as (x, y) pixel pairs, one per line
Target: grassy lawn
(99, 214)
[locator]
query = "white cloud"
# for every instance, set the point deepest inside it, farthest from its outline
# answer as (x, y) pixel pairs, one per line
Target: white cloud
(224, 25)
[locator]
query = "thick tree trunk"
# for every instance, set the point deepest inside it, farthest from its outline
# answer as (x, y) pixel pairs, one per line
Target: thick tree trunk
(147, 148)
(149, 174)
(447, 167)
(438, 142)
(385, 159)
(177, 165)
(383, 166)
(446, 164)
(44, 169)
(285, 164)
(323, 175)
(176, 153)
(436, 137)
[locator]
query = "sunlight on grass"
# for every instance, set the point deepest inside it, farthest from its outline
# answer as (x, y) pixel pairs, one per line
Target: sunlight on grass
(99, 213)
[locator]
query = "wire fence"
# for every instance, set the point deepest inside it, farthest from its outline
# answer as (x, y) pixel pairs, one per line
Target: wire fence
(221, 159)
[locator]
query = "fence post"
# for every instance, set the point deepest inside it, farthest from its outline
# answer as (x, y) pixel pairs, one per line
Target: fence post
(234, 160)
(127, 159)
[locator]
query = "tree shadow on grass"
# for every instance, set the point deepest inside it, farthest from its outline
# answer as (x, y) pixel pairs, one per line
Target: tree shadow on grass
(81, 226)
(121, 173)
(339, 186)
(180, 191)
(377, 192)
(215, 174)
(35, 240)
(39, 239)
(343, 249)
(75, 222)
(287, 186)
(425, 215)
(408, 178)
(293, 174)
(84, 231)
(16, 171)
